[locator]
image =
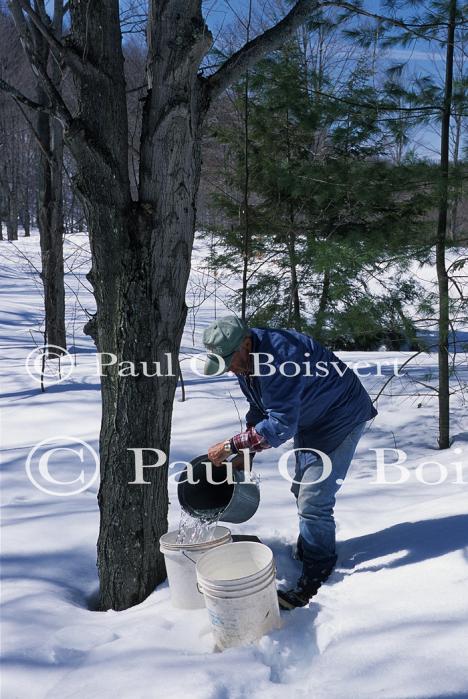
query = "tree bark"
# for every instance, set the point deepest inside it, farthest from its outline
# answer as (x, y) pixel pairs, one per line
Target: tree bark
(12, 220)
(50, 199)
(294, 303)
(141, 255)
(323, 303)
(50, 222)
(26, 220)
(453, 213)
(442, 277)
(246, 237)
(295, 307)
(245, 204)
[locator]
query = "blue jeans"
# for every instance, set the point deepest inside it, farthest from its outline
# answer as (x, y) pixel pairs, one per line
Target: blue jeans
(315, 501)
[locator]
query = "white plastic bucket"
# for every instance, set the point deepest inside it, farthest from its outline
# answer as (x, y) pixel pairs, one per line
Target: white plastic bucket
(180, 562)
(238, 583)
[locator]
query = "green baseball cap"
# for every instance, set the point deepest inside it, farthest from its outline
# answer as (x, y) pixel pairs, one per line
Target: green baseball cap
(223, 339)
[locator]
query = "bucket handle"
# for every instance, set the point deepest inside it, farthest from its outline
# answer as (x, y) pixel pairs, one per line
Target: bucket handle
(190, 559)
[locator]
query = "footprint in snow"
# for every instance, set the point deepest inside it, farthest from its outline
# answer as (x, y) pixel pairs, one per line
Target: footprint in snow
(72, 642)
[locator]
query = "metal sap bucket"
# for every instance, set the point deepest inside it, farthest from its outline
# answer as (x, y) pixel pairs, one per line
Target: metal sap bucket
(229, 502)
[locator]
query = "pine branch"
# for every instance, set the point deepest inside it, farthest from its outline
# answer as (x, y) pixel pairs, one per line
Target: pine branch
(409, 27)
(378, 106)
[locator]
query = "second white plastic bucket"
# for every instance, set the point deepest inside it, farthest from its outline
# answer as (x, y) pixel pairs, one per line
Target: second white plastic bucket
(238, 583)
(180, 562)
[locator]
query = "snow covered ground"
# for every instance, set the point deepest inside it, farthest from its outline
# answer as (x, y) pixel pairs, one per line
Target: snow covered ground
(391, 622)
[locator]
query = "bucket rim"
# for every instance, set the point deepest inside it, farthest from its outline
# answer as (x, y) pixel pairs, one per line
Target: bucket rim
(209, 555)
(237, 583)
(228, 511)
(242, 583)
(199, 545)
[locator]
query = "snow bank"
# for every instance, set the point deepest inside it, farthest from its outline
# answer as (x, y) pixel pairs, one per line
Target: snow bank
(391, 622)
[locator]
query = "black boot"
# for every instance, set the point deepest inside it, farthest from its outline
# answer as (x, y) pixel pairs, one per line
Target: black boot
(307, 585)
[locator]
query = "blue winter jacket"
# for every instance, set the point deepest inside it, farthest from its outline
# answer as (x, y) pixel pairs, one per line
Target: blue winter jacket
(321, 408)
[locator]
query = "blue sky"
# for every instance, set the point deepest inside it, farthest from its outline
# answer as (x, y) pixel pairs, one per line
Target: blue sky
(419, 57)
(222, 12)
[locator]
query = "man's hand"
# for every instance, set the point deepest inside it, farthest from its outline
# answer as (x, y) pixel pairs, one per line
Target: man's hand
(217, 454)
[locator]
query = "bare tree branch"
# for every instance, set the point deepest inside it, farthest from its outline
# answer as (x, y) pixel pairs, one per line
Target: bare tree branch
(19, 97)
(42, 23)
(44, 150)
(40, 5)
(57, 103)
(253, 50)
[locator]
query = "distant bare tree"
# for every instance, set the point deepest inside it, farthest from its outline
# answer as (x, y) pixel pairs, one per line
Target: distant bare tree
(49, 132)
(18, 151)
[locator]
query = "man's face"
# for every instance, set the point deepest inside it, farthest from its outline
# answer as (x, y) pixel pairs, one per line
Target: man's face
(240, 363)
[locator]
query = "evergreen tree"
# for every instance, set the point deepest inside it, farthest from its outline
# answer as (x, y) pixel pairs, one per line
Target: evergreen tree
(327, 205)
